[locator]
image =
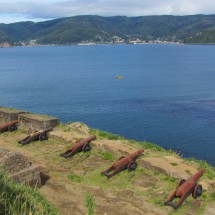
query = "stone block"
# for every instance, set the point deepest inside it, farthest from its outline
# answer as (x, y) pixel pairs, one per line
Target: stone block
(19, 168)
(8, 115)
(30, 176)
(9, 160)
(35, 122)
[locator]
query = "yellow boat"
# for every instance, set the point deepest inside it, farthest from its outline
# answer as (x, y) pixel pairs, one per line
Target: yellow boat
(119, 76)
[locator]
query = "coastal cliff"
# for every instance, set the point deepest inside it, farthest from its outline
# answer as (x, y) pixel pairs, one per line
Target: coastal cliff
(77, 185)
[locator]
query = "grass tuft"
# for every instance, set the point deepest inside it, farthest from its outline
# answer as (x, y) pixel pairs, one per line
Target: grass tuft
(105, 135)
(21, 199)
(90, 204)
(152, 146)
(75, 178)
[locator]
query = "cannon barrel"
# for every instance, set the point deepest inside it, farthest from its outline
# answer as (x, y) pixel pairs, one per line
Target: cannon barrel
(40, 132)
(82, 145)
(196, 176)
(37, 135)
(189, 184)
(45, 130)
(89, 139)
(127, 159)
(9, 125)
(82, 142)
(134, 155)
(123, 163)
(185, 188)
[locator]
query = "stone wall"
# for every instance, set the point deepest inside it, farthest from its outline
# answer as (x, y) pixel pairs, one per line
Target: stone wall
(8, 115)
(37, 122)
(20, 168)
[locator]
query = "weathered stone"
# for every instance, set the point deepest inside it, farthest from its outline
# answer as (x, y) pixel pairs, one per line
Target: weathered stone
(35, 122)
(79, 127)
(8, 159)
(29, 175)
(22, 171)
(8, 115)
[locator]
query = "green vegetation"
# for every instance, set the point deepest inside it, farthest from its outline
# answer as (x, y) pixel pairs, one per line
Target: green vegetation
(209, 170)
(152, 146)
(20, 199)
(64, 127)
(107, 155)
(97, 29)
(105, 135)
(90, 204)
(205, 37)
(75, 178)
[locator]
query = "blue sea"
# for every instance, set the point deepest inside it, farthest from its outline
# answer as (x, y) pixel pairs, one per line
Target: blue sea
(167, 95)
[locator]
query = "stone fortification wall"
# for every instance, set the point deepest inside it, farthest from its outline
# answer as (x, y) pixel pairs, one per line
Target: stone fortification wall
(27, 120)
(20, 168)
(37, 122)
(8, 115)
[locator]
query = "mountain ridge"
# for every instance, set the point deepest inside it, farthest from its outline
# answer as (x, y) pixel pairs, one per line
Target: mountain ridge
(115, 29)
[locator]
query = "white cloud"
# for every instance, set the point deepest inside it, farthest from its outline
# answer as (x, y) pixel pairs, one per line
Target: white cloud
(49, 9)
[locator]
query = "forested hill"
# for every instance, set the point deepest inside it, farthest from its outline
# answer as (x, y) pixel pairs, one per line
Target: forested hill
(118, 29)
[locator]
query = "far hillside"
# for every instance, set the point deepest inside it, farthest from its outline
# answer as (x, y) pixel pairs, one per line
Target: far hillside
(198, 29)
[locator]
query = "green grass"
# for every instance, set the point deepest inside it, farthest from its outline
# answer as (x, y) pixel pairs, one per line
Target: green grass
(209, 170)
(76, 178)
(107, 155)
(90, 204)
(42, 116)
(174, 164)
(121, 181)
(64, 127)
(20, 199)
(105, 135)
(148, 145)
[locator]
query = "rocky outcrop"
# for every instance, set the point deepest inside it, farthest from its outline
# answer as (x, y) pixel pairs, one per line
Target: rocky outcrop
(19, 168)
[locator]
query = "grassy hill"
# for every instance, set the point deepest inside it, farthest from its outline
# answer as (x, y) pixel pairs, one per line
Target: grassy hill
(104, 29)
(76, 186)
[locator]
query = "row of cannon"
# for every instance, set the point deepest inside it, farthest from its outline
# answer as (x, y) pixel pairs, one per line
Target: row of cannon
(182, 191)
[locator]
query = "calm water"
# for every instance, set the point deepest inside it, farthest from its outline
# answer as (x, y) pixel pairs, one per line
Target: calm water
(167, 95)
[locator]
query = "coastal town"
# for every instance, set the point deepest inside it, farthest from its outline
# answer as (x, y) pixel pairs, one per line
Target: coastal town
(114, 40)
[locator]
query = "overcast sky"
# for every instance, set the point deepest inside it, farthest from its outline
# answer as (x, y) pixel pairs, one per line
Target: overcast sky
(39, 10)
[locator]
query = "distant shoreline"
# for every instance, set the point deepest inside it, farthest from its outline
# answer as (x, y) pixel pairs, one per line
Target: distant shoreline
(99, 44)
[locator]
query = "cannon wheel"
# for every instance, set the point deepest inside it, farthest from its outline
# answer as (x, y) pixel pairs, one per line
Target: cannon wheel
(132, 165)
(12, 128)
(197, 192)
(43, 136)
(121, 158)
(86, 147)
(181, 181)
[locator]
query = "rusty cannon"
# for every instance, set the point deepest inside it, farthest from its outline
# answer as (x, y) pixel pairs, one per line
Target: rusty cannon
(185, 188)
(83, 145)
(128, 162)
(38, 135)
(10, 126)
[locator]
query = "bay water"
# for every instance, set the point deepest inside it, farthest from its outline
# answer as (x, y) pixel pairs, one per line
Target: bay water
(167, 95)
